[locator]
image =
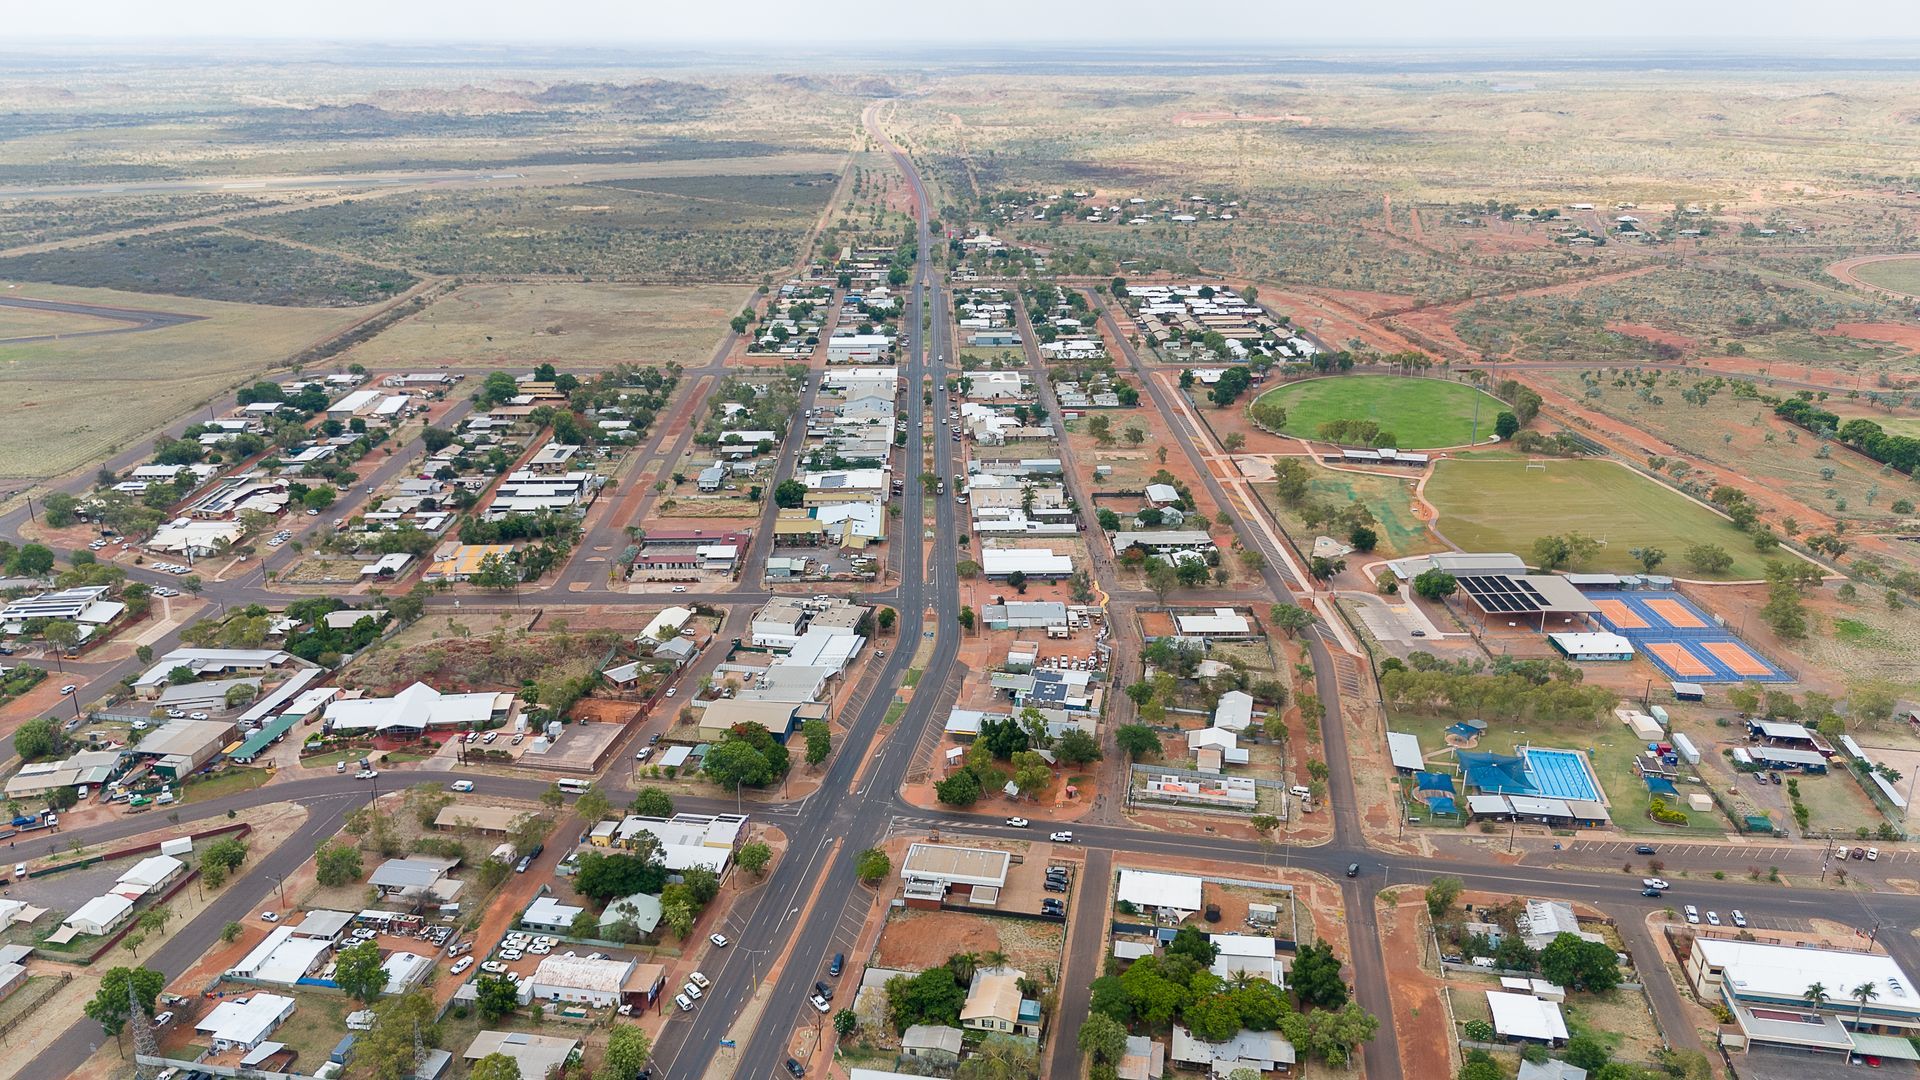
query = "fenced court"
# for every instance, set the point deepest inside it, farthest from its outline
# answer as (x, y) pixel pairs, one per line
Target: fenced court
(1682, 640)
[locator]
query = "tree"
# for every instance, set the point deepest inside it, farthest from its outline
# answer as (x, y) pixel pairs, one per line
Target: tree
(965, 617)
(961, 789)
(1864, 993)
(844, 1022)
(1103, 1039)
(227, 853)
(790, 493)
(62, 634)
(1505, 425)
(1001, 1057)
(1479, 1064)
(819, 740)
(1586, 1052)
(192, 584)
(1137, 741)
(652, 802)
(1316, 977)
(931, 997)
(496, 996)
(31, 560)
(1441, 893)
(400, 1024)
(58, 508)
(231, 932)
(885, 617)
(38, 738)
(1435, 585)
(871, 865)
(1649, 557)
(1195, 944)
(1708, 558)
(495, 1066)
(337, 864)
(733, 763)
(1076, 747)
(1363, 538)
(1290, 619)
(358, 972)
(753, 857)
(109, 1004)
(553, 798)
(1578, 964)
(592, 805)
(1816, 995)
(1162, 578)
(626, 1053)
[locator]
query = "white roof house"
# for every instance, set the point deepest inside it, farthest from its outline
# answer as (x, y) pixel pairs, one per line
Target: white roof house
(1523, 1016)
(1260, 1051)
(282, 957)
(1257, 956)
(100, 915)
(1404, 748)
(1154, 891)
(1033, 562)
(148, 874)
(1222, 621)
(1234, 712)
(533, 1055)
(416, 708)
(245, 1025)
(546, 913)
(1593, 646)
(577, 978)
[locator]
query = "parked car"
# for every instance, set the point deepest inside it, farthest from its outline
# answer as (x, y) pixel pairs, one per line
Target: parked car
(462, 964)
(163, 1019)
(1643, 849)
(824, 989)
(837, 965)
(692, 991)
(719, 940)
(672, 690)
(521, 866)
(819, 1004)
(269, 916)
(700, 980)
(1018, 823)
(1739, 918)
(1873, 854)
(685, 1003)
(794, 1069)
(1692, 913)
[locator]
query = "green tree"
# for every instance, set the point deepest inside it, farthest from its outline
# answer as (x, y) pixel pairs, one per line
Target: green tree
(495, 1066)
(844, 1022)
(228, 853)
(39, 738)
(337, 864)
(931, 997)
(1506, 425)
(1649, 557)
(400, 1023)
(1290, 619)
(1137, 741)
(790, 493)
(1441, 893)
(592, 805)
(357, 970)
(59, 508)
(1435, 585)
(625, 1054)
(231, 932)
(965, 617)
(1316, 977)
(1103, 1039)
(1076, 747)
(652, 802)
(1578, 964)
(871, 865)
(495, 996)
(819, 740)
(961, 789)
(109, 1004)
(753, 857)
(1708, 559)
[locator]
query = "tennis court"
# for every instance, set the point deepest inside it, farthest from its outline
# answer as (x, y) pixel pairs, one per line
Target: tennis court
(1561, 774)
(1682, 640)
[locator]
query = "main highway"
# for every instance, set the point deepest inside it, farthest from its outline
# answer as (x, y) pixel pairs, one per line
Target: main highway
(811, 905)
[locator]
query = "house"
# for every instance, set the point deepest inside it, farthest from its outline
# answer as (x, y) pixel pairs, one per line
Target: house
(1261, 1051)
(416, 709)
(245, 1023)
(995, 1005)
(416, 876)
(550, 915)
(1550, 1069)
(720, 716)
(13, 976)
(283, 957)
(1145, 1059)
(150, 875)
(1765, 986)
(533, 1055)
(935, 1044)
(665, 624)
(1249, 955)
(1170, 896)
(1234, 711)
(88, 768)
(1525, 1018)
(461, 562)
(599, 983)
(99, 916)
(204, 662)
(640, 909)
(1220, 623)
(1163, 541)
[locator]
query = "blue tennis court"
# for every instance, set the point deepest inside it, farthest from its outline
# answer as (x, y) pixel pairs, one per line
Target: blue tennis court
(1681, 640)
(1561, 774)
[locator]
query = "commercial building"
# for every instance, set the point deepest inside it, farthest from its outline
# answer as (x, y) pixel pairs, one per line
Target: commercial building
(1220, 623)
(1765, 988)
(86, 605)
(930, 871)
(599, 983)
(1172, 897)
(460, 562)
(1598, 646)
(1035, 563)
(416, 709)
(178, 748)
(686, 840)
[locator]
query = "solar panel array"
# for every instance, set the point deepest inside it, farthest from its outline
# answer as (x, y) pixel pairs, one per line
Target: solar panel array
(1503, 594)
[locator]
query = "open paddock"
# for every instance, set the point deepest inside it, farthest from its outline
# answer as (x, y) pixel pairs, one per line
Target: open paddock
(494, 326)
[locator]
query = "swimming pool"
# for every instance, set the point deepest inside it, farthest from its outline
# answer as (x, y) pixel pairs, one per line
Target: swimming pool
(1561, 774)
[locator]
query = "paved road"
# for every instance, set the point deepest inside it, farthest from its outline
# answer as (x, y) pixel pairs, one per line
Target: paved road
(130, 320)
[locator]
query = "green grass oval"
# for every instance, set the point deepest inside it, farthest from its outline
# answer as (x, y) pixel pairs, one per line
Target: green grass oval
(1424, 413)
(1895, 275)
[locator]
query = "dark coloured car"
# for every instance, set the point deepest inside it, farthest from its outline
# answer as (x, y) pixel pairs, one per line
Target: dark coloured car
(824, 990)
(794, 1068)
(839, 964)
(1056, 886)
(1353, 869)
(1644, 849)
(1651, 892)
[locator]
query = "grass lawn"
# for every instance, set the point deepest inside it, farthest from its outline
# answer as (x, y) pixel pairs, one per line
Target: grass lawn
(483, 325)
(1610, 747)
(1422, 412)
(1400, 532)
(227, 783)
(1900, 275)
(1498, 505)
(1835, 802)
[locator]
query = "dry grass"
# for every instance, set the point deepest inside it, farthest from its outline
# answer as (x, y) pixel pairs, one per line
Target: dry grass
(78, 401)
(494, 325)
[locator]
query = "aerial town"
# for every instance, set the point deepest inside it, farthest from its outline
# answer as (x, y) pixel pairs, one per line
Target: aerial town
(534, 570)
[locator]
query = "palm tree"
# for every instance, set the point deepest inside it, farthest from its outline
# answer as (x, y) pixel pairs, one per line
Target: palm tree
(993, 959)
(963, 966)
(1863, 993)
(1816, 995)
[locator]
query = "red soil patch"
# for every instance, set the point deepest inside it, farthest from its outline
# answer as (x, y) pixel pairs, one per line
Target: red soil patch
(1654, 333)
(1419, 1015)
(925, 939)
(1898, 333)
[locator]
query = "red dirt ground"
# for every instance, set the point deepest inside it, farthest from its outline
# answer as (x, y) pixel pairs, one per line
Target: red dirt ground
(1419, 1013)
(1654, 333)
(1900, 334)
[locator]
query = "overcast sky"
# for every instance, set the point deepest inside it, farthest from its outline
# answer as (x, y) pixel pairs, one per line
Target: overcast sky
(1656, 24)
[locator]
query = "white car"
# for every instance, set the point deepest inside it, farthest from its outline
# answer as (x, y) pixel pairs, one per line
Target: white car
(269, 916)
(1713, 917)
(1018, 823)
(1655, 883)
(672, 690)
(493, 967)
(1061, 837)
(365, 774)
(691, 991)
(548, 942)
(463, 785)
(197, 716)
(719, 940)
(1739, 918)
(679, 588)
(819, 1003)
(686, 1004)
(699, 980)
(462, 964)
(139, 725)
(1693, 914)
(511, 954)
(1873, 854)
